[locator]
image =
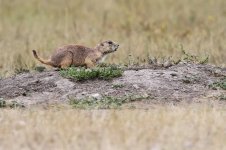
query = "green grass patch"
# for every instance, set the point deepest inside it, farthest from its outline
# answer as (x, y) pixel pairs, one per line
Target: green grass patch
(220, 84)
(12, 104)
(81, 74)
(222, 97)
(39, 68)
(116, 86)
(106, 102)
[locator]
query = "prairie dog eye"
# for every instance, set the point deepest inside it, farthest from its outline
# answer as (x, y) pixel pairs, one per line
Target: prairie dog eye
(110, 42)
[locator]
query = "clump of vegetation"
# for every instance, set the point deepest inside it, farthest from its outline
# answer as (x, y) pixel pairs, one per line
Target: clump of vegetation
(12, 104)
(40, 68)
(20, 70)
(193, 58)
(81, 74)
(185, 57)
(162, 62)
(220, 84)
(106, 102)
(169, 61)
(190, 79)
(222, 97)
(19, 65)
(116, 86)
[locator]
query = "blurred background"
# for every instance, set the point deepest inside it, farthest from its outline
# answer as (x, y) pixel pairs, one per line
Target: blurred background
(143, 28)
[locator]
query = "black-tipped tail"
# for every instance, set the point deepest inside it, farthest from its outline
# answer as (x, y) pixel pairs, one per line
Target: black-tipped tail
(35, 54)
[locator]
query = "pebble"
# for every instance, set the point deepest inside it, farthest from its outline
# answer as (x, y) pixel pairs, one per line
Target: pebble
(136, 86)
(96, 96)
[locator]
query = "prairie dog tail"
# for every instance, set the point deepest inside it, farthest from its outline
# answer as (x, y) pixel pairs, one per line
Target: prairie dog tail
(47, 62)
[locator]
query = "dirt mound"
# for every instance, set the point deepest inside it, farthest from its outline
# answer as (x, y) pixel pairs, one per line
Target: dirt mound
(182, 82)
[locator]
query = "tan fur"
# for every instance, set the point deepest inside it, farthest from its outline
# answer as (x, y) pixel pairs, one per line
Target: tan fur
(77, 55)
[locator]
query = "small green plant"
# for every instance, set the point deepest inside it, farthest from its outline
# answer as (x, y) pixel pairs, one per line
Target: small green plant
(15, 104)
(81, 74)
(12, 104)
(40, 68)
(106, 102)
(162, 62)
(190, 79)
(19, 65)
(192, 58)
(20, 70)
(220, 84)
(222, 97)
(2, 103)
(116, 86)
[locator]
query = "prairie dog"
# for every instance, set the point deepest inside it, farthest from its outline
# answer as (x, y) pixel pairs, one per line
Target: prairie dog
(78, 55)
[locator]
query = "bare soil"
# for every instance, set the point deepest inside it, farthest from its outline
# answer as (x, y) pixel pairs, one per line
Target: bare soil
(181, 83)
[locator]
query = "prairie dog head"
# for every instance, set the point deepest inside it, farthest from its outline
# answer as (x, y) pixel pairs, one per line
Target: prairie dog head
(107, 47)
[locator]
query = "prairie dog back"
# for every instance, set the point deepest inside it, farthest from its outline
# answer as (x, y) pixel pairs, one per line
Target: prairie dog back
(78, 55)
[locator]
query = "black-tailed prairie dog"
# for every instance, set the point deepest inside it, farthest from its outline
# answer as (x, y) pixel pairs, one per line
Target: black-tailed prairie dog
(77, 55)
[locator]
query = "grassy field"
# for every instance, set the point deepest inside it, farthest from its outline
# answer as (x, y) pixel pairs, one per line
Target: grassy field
(171, 128)
(143, 28)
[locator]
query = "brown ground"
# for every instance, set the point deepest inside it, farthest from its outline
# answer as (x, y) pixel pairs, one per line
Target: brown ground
(182, 83)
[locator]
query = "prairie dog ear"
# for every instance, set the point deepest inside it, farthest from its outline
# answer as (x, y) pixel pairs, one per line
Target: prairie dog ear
(101, 44)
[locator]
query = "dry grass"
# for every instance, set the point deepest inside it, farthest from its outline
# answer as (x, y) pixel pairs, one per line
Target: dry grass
(144, 27)
(190, 127)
